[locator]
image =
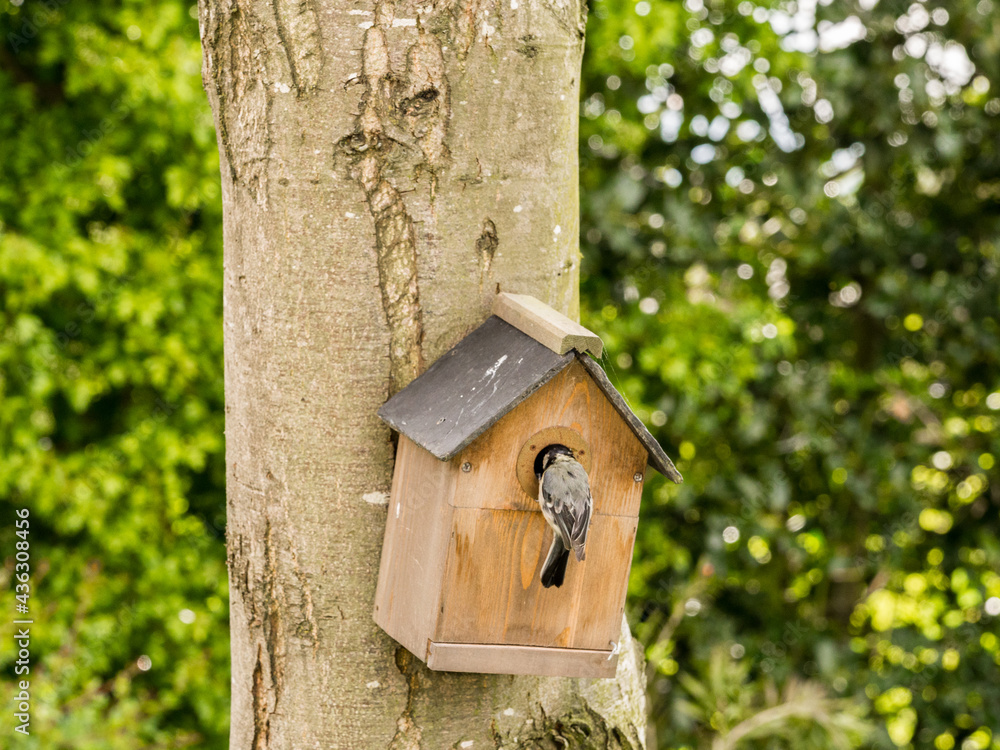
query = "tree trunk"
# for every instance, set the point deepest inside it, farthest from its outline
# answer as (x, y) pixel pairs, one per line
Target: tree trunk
(386, 169)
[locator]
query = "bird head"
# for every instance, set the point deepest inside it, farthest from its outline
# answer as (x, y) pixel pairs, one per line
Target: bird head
(549, 455)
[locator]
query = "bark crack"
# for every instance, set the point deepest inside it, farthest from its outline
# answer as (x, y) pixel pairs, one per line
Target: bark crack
(402, 125)
(298, 29)
(211, 35)
(308, 627)
(486, 247)
(274, 605)
(261, 718)
(233, 76)
(471, 18)
(408, 733)
(425, 98)
(275, 612)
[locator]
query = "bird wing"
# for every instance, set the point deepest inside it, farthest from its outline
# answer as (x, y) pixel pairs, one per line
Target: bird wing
(567, 502)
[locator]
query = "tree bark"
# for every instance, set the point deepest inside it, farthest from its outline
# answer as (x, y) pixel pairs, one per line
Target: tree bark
(386, 169)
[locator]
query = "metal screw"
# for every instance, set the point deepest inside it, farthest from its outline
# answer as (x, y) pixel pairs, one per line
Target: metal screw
(466, 467)
(637, 476)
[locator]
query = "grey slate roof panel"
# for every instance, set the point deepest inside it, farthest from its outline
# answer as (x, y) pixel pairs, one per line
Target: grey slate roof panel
(468, 389)
(481, 379)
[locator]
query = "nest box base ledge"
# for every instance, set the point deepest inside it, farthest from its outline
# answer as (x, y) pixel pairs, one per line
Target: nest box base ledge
(528, 660)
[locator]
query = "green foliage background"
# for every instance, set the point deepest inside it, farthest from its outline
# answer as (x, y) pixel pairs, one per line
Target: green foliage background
(792, 255)
(111, 423)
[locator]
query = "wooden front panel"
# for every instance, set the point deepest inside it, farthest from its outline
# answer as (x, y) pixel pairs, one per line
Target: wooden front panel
(570, 399)
(415, 548)
(492, 593)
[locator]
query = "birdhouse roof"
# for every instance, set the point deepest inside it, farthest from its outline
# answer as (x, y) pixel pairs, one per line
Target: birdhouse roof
(481, 379)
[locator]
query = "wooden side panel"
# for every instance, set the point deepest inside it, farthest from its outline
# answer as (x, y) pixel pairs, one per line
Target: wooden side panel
(553, 662)
(570, 399)
(492, 593)
(415, 548)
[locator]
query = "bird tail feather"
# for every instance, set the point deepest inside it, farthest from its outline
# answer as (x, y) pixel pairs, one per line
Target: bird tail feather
(554, 569)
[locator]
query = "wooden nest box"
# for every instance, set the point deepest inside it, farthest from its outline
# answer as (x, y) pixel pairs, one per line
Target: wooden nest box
(465, 538)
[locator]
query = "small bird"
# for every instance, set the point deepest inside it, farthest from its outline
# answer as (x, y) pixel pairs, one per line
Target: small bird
(564, 495)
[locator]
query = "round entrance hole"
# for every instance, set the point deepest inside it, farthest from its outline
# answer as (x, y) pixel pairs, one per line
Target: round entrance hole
(536, 443)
